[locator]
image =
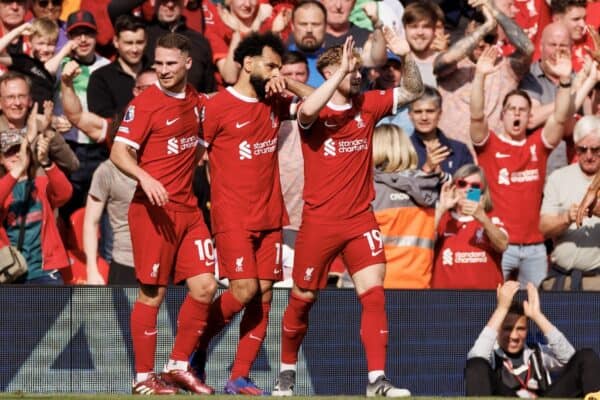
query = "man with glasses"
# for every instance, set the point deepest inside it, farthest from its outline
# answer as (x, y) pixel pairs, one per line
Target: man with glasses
(575, 260)
(515, 163)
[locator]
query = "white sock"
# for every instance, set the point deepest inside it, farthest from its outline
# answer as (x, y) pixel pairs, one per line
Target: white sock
(175, 364)
(287, 367)
(373, 375)
(142, 376)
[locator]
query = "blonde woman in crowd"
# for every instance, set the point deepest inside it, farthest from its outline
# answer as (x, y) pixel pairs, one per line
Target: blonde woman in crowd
(404, 207)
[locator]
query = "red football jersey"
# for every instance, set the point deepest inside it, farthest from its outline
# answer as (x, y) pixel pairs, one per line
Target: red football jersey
(241, 134)
(337, 149)
(464, 256)
(164, 128)
(515, 171)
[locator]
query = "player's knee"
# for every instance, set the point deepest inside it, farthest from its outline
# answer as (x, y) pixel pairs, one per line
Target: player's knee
(151, 295)
(244, 290)
(203, 290)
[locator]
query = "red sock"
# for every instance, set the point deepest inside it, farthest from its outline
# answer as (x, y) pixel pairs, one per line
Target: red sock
(190, 325)
(373, 328)
(293, 328)
(143, 335)
(220, 314)
(253, 329)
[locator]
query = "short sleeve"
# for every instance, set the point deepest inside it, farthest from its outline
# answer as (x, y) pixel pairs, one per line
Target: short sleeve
(135, 125)
(101, 183)
(551, 204)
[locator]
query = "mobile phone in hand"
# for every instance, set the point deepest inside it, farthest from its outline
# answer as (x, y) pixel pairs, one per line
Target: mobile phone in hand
(474, 194)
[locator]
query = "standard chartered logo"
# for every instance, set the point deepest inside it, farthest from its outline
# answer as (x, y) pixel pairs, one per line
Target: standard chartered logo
(447, 257)
(172, 146)
(329, 148)
(245, 152)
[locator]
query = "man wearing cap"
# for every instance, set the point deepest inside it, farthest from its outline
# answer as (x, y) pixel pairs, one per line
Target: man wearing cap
(82, 29)
(15, 104)
(168, 18)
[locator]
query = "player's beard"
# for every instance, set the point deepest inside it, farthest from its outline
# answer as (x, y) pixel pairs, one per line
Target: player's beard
(259, 84)
(309, 47)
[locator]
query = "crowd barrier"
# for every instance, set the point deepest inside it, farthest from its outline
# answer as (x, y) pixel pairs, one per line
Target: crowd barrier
(76, 339)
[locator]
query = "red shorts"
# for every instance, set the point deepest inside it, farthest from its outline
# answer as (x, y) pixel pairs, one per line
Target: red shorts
(358, 240)
(244, 254)
(165, 240)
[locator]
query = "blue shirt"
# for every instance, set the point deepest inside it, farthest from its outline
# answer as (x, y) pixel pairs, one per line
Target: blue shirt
(315, 79)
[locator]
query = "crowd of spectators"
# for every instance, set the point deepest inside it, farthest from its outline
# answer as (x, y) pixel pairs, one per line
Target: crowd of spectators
(477, 181)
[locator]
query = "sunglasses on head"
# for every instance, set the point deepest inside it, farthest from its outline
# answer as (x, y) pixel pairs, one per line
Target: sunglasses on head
(461, 183)
(46, 3)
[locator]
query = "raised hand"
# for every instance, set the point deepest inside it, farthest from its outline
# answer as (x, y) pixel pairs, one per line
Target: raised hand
(587, 205)
(32, 125)
(436, 154)
(19, 167)
(348, 62)
(487, 62)
(595, 52)
(532, 306)
(396, 43)
(43, 149)
(70, 71)
(448, 197)
(281, 20)
(561, 65)
(471, 208)
(505, 294)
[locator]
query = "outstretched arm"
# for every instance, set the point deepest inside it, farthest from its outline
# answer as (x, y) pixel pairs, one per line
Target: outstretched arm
(93, 125)
(554, 128)
(310, 108)
(411, 86)
(521, 58)
(485, 66)
(445, 63)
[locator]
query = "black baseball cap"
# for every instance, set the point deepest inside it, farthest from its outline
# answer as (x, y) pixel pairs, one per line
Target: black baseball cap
(80, 19)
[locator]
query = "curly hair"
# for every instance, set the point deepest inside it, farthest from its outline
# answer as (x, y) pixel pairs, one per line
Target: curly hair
(253, 44)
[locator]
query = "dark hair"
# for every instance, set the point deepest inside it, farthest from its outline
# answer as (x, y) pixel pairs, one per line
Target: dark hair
(253, 45)
(516, 308)
(175, 41)
(127, 22)
(419, 11)
(306, 3)
(293, 57)
(562, 6)
(516, 92)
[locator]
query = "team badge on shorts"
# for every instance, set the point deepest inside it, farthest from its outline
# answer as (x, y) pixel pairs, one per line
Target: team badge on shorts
(129, 114)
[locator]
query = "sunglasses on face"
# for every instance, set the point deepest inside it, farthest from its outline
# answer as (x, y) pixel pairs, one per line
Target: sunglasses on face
(584, 149)
(461, 184)
(46, 3)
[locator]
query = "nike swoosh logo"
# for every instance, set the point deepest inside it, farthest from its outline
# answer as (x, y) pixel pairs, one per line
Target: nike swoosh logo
(329, 125)
(152, 333)
(376, 253)
(288, 330)
(209, 263)
(255, 337)
(172, 121)
(238, 125)
(500, 155)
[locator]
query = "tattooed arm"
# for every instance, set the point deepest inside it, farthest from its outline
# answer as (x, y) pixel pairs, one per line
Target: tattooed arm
(520, 60)
(445, 63)
(411, 86)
